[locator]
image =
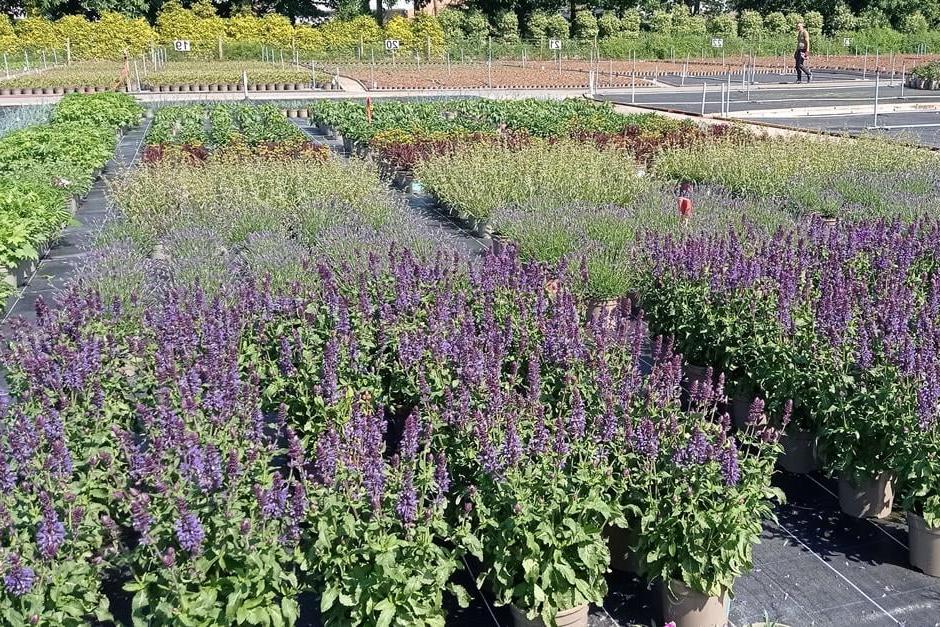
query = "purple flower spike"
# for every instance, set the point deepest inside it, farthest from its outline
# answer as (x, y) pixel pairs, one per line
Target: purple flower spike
(18, 579)
(189, 533)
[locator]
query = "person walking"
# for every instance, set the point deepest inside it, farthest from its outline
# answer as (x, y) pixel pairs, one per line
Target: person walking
(802, 53)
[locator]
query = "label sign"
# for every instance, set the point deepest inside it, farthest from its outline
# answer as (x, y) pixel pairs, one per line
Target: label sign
(718, 42)
(554, 44)
(182, 45)
(392, 44)
(846, 42)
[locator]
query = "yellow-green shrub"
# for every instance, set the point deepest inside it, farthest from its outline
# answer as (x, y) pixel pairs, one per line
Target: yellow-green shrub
(399, 28)
(277, 30)
(243, 27)
(34, 32)
(426, 28)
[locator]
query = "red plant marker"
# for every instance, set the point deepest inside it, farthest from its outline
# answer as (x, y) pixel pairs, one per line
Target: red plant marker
(685, 201)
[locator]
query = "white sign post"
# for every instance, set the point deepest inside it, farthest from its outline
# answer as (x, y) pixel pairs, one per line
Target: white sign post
(182, 45)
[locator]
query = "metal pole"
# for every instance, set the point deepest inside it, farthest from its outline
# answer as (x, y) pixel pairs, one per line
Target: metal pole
(704, 89)
(26, 60)
(877, 85)
(137, 74)
(892, 69)
(903, 69)
(865, 69)
(633, 88)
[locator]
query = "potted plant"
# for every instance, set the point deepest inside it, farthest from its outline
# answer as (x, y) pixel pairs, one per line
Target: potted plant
(920, 493)
(703, 496)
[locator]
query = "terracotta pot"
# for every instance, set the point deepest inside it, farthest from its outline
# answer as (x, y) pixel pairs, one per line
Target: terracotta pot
(187, 87)
(687, 608)
(46, 91)
(58, 90)
(622, 559)
(575, 617)
(924, 544)
(279, 86)
(99, 89)
(174, 88)
(867, 498)
(799, 451)
(269, 86)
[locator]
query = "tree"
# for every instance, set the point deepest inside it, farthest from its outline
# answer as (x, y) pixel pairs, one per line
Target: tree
(585, 25)
(723, 25)
(776, 23)
(661, 22)
(630, 21)
(608, 25)
(873, 17)
(814, 22)
(557, 26)
(750, 24)
(506, 26)
(537, 25)
(914, 24)
(475, 26)
(842, 20)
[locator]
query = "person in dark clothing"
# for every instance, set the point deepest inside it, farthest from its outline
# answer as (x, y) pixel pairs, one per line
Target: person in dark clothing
(802, 54)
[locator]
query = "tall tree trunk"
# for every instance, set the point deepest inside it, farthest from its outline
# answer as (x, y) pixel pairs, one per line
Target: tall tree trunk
(572, 9)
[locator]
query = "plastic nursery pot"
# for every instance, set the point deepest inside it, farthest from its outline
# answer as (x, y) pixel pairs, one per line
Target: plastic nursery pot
(799, 451)
(692, 374)
(575, 617)
(688, 608)
(622, 559)
(924, 544)
(484, 228)
(867, 498)
(740, 410)
(606, 307)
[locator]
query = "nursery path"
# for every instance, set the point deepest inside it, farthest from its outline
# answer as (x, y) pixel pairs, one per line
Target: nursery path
(421, 204)
(76, 241)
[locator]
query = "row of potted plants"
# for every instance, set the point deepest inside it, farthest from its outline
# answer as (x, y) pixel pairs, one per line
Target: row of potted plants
(44, 167)
(416, 411)
(834, 323)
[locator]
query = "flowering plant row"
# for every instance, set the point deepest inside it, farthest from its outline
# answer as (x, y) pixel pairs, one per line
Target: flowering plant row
(353, 434)
(42, 165)
(842, 320)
